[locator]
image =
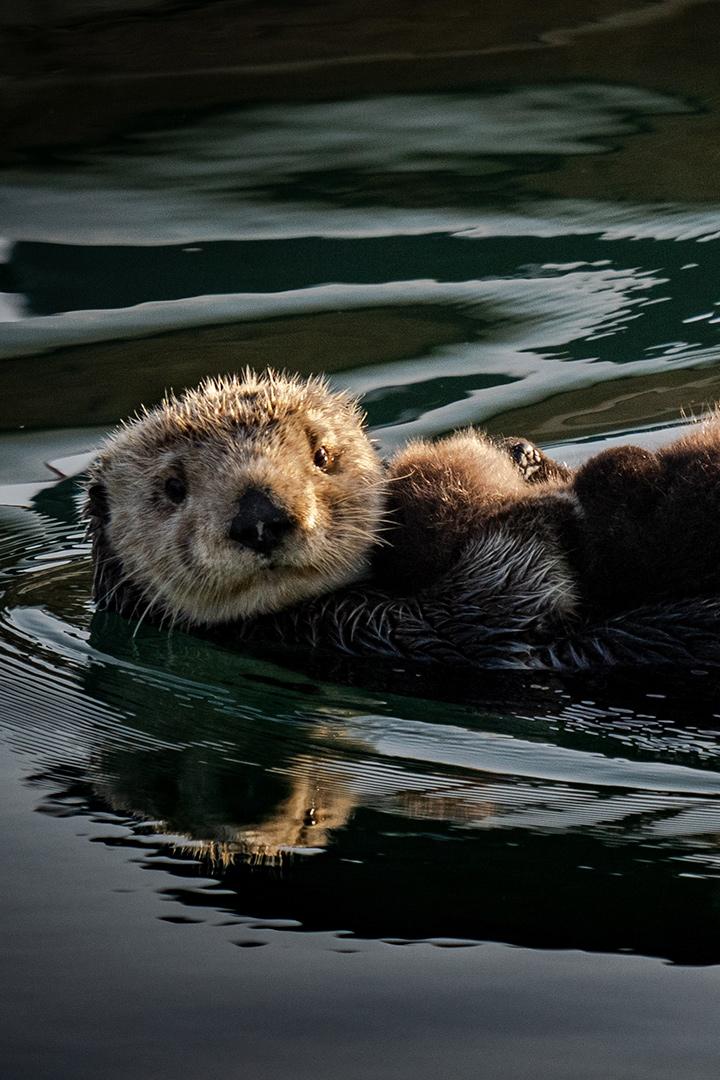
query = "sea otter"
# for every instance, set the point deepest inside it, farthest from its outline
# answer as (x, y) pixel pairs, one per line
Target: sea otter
(256, 506)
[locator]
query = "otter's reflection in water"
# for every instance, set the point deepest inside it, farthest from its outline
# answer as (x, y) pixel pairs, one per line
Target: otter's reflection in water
(558, 822)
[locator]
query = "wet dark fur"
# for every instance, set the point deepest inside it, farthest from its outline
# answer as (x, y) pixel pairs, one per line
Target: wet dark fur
(649, 521)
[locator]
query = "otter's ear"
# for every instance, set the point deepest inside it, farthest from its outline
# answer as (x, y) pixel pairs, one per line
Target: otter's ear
(97, 506)
(107, 568)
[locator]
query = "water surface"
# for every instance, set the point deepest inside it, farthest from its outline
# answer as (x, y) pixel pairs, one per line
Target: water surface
(272, 867)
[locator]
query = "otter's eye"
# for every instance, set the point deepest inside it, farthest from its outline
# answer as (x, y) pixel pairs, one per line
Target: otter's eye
(175, 489)
(322, 458)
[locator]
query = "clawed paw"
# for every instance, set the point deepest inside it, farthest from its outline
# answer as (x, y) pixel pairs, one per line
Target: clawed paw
(526, 456)
(534, 466)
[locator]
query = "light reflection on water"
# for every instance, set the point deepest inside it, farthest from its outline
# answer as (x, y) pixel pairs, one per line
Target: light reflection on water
(338, 169)
(527, 296)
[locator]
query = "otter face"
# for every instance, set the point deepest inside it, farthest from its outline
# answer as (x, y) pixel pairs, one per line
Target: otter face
(241, 497)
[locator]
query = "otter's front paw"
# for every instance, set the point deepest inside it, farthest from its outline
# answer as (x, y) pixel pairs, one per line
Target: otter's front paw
(534, 466)
(526, 456)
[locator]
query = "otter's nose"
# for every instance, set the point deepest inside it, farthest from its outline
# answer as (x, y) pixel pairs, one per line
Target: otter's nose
(260, 524)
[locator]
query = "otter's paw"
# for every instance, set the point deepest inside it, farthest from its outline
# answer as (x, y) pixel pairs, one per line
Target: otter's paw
(534, 466)
(526, 456)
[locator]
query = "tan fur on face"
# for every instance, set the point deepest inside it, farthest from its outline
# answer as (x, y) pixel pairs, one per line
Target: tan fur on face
(225, 437)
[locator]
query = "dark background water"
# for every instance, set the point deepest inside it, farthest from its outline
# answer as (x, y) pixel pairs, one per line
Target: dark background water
(495, 214)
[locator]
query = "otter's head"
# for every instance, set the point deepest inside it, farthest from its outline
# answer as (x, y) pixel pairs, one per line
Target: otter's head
(241, 497)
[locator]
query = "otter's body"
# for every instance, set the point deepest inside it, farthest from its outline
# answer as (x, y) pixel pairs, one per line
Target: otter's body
(252, 507)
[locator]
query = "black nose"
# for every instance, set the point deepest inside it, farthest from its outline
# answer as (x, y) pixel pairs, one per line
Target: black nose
(260, 524)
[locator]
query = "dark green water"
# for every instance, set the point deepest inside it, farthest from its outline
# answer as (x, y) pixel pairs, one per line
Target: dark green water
(232, 864)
